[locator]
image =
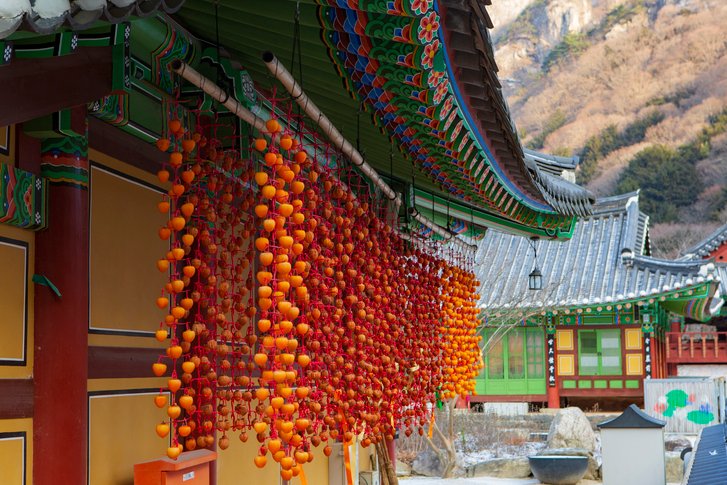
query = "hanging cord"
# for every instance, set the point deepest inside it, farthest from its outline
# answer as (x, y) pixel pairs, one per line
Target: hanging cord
(217, 40)
(448, 225)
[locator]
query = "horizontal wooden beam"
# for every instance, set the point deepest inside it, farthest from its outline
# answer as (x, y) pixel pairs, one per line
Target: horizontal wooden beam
(120, 362)
(116, 143)
(38, 87)
(16, 398)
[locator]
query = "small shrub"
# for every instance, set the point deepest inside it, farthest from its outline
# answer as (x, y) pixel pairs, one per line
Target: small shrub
(572, 44)
(667, 182)
(556, 120)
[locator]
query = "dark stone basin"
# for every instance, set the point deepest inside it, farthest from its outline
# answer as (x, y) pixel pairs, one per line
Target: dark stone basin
(559, 470)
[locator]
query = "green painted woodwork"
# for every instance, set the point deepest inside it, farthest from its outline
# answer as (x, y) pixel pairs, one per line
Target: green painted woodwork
(569, 384)
(515, 365)
(600, 384)
(599, 352)
(246, 29)
(584, 384)
(617, 384)
(632, 384)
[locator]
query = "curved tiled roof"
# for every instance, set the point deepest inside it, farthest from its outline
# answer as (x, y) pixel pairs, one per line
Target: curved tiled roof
(603, 262)
(46, 16)
(704, 247)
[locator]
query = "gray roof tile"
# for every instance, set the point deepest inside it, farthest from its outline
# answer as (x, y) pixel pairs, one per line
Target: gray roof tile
(589, 268)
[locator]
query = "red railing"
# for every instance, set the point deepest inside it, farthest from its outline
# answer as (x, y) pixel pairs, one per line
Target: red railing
(696, 347)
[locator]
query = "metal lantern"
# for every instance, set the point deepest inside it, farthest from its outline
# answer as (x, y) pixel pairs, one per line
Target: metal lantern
(535, 279)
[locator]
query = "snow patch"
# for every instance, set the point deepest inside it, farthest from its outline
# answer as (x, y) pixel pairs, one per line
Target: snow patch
(49, 9)
(13, 8)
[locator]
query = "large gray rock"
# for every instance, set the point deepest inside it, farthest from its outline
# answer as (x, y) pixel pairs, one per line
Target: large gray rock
(594, 466)
(427, 463)
(676, 443)
(501, 468)
(674, 467)
(571, 429)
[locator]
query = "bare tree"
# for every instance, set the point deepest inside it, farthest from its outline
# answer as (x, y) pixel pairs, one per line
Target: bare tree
(502, 318)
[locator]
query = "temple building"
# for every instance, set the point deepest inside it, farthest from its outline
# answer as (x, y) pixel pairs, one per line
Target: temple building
(183, 225)
(602, 320)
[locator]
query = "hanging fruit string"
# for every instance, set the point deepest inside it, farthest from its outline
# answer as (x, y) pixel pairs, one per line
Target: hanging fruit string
(295, 312)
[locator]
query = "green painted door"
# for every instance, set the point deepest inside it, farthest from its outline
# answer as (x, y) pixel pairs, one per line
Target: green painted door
(515, 364)
(599, 352)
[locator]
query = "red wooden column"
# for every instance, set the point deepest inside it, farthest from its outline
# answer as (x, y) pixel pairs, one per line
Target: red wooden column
(60, 426)
(552, 391)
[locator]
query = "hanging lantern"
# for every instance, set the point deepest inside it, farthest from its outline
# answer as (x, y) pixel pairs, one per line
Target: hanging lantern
(535, 279)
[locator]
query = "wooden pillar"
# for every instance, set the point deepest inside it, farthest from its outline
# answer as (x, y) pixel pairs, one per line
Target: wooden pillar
(552, 391)
(60, 425)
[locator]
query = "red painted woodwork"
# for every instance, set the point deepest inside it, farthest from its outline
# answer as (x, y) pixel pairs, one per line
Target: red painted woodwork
(696, 347)
(553, 397)
(120, 362)
(16, 398)
(60, 422)
(123, 146)
(719, 254)
(32, 96)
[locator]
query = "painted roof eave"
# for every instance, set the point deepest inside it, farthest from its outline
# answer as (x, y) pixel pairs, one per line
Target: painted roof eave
(700, 302)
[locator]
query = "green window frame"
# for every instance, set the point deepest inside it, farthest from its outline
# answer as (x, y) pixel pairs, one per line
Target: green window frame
(519, 354)
(599, 352)
(516, 354)
(495, 360)
(536, 355)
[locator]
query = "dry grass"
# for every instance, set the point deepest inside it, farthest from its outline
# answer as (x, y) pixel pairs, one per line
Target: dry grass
(681, 48)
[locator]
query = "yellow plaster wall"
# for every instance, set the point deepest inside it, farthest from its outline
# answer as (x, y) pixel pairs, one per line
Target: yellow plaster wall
(15, 450)
(316, 471)
(124, 248)
(15, 286)
(7, 145)
(235, 464)
(121, 433)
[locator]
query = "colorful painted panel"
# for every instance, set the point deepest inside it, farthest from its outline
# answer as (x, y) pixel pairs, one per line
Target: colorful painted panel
(22, 198)
(685, 404)
(564, 339)
(633, 338)
(634, 364)
(566, 365)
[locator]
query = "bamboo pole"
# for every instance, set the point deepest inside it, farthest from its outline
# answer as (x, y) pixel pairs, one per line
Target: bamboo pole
(218, 94)
(277, 69)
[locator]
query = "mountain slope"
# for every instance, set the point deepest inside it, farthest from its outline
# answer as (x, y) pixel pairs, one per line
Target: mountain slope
(607, 79)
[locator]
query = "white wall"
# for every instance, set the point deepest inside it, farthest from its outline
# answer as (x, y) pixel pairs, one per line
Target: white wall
(633, 456)
(702, 370)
